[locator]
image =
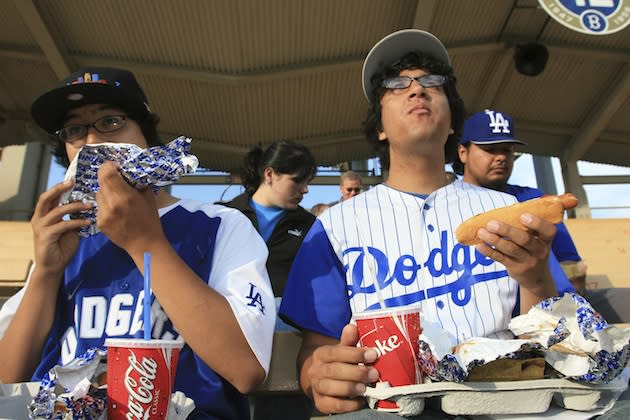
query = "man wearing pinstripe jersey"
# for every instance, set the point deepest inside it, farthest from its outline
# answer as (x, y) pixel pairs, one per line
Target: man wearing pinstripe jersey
(394, 245)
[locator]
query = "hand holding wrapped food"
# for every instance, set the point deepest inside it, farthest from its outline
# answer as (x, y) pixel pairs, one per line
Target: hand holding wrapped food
(154, 167)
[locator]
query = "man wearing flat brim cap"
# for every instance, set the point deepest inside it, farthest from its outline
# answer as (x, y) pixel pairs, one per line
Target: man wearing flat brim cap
(89, 85)
(93, 85)
(209, 288)
(384, 247)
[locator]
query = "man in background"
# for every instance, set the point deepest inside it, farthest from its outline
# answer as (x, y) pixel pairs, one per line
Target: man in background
(486, 158)
(349, 185)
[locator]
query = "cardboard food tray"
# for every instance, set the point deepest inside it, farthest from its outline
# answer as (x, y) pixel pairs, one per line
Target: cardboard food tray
(488, 398)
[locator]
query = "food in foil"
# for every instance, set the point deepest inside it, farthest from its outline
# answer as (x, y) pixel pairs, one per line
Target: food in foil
(78, 391)
(572, 338)
(154, 167)
(579, 343)
(74, 391)
(478, 358)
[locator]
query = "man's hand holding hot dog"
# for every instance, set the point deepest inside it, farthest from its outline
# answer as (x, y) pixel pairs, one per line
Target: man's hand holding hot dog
(519, 236)
(524, 254)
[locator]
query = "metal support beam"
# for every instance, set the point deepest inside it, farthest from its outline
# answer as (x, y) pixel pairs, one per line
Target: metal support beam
(544, 174)
(425, 10)
(497, 72)
(573, 184)
(222, 179)
(40, 31)
(605, 179)
(615, 97)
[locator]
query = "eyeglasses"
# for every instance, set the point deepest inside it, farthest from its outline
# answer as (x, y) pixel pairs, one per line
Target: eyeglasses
(356, 190)
(74, 134)
(426, 80)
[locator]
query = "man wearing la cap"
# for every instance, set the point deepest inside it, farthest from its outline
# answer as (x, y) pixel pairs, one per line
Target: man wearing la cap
(208, 278)
(485, 157)
(400, 228)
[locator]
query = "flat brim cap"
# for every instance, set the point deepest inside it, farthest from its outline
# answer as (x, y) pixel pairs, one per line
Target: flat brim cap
(496, 140)
(394, 46)
(120, 90)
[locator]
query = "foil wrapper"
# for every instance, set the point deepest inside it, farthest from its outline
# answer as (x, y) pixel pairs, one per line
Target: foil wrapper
(154, 167)
(441, 358)
(579, 343)
(72, 391)
(77, 391)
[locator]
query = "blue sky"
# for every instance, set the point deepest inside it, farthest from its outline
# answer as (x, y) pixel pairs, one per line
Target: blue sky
(598, 195)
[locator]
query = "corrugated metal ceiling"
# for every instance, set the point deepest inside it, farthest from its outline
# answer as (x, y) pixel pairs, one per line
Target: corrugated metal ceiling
(235, 73)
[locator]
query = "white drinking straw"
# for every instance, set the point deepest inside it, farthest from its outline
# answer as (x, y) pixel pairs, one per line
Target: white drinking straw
(147, 296)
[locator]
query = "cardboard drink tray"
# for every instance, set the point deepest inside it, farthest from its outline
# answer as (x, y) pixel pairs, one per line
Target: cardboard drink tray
(517, 397)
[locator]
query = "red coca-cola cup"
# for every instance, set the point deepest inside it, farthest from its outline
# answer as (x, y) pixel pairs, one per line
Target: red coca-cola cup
(393, 333)
(140, 377)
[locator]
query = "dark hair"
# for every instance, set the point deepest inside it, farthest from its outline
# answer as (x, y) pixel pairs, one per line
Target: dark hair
(148, 126)
(284, 157)
(458, 165)
(372, 124)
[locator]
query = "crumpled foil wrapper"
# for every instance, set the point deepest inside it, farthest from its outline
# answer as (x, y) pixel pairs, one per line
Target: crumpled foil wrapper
(442, 359)
(71, 391)
(580, 344)
(75, 392)
(154, 167)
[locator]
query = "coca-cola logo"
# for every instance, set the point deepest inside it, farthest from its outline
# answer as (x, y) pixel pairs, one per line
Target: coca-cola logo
(383, 347)
(139, 383)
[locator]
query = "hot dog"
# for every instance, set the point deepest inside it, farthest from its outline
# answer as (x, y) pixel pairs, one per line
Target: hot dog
(550, 208)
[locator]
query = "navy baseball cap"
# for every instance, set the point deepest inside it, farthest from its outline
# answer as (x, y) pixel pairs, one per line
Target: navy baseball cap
(90, 85)
(489, 127)
(393, 47)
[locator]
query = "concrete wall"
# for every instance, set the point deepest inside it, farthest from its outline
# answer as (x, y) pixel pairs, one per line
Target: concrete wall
(23, 174)
(604, 244)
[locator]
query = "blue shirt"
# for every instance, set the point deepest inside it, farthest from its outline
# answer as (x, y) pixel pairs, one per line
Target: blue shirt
(267, 217)
(102, 295)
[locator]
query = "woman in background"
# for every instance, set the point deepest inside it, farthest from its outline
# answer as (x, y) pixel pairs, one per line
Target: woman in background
(275, 182)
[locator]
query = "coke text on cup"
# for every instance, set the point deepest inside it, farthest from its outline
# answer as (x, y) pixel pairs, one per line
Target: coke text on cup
(140, 379)
(394, 334)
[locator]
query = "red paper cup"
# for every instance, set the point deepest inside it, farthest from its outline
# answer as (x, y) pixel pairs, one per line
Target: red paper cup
(393, 333)
(140, 377)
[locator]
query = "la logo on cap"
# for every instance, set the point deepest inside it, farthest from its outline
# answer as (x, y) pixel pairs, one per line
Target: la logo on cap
(497, 122)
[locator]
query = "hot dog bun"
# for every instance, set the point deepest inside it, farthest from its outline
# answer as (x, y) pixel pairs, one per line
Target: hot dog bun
(550, 208)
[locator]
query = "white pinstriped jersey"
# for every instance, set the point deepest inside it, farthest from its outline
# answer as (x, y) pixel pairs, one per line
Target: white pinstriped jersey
(408, 244)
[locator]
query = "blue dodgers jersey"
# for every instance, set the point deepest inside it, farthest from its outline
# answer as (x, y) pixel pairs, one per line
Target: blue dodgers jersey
(102, 297)
(390, 245)
(562, 246)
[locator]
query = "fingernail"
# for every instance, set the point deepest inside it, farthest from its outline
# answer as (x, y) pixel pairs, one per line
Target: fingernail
(360, 388)
(370, 355)
(372, 374)
(526, 218)
(493, 226)
(483, 234)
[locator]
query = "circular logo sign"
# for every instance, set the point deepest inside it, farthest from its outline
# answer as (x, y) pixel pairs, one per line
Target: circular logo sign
(594, 17)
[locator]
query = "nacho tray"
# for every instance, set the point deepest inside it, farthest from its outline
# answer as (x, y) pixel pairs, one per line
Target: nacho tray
(488, 398)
